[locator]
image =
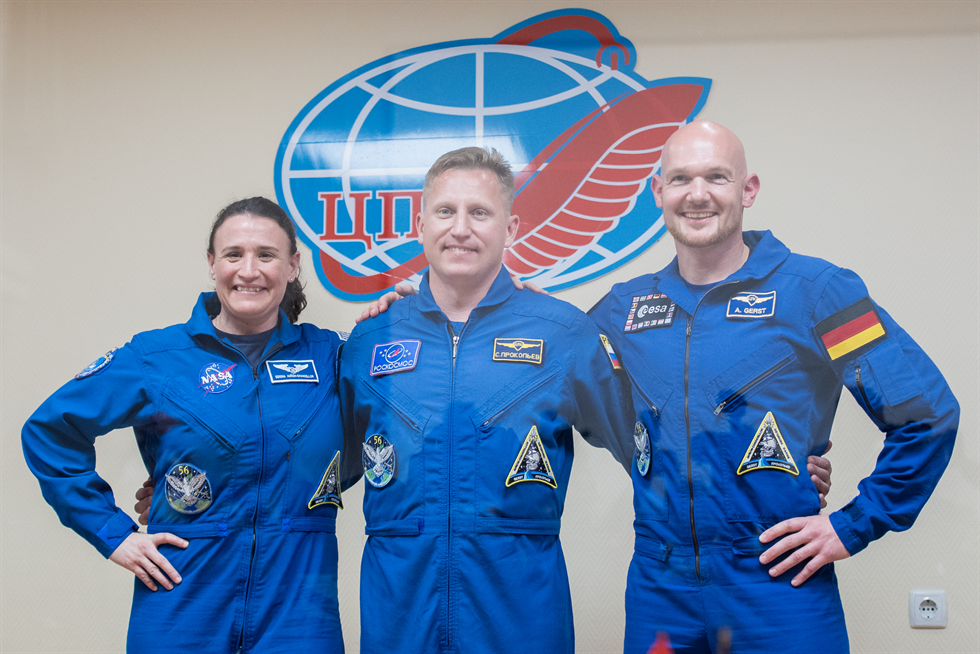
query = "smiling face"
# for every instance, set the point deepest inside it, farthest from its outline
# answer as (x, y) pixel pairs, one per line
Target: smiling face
(251, 266)
(464, 228)
(703, 186)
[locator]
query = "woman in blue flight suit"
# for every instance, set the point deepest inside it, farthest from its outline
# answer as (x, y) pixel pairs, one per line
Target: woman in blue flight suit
(236, 416)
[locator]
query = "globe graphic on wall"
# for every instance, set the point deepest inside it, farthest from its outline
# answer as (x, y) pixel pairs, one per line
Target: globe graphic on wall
(374, 134)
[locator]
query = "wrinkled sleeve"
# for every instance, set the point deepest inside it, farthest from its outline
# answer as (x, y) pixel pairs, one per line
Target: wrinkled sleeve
(604, 413)
(902, 391)
(59, 446)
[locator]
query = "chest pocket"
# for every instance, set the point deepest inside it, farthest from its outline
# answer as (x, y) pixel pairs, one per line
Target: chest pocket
(196, 433)
(313, 430)
(760, 429)
(650, 396)
(397, 508)
(519, 428)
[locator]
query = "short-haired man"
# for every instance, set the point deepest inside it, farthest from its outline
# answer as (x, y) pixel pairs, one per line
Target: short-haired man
(460, 403)
(734, 389)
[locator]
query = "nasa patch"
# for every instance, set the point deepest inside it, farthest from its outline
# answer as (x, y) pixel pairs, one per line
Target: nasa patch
(216, 377)
(650, 312)
(379, 460)
(398, 356)
(96, 365)
(328, 492)
(521, 350)
(188, 490)
(752, 305)
(283, 372)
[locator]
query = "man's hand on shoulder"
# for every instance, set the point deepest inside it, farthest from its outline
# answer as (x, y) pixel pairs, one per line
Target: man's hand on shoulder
(811, 537)
(531, 286)
(384, 302)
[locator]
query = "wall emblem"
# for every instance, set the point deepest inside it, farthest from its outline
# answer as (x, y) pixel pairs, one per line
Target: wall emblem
(556, 94)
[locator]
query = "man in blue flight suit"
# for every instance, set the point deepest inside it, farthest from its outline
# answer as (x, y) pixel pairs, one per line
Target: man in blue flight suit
(738, 351)
(461, 402)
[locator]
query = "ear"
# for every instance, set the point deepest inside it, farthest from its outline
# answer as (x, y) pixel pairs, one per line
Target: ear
(750, 190)
(512, 224)
(418, 225)
(657, 186)
(210, 264)
(294, 264)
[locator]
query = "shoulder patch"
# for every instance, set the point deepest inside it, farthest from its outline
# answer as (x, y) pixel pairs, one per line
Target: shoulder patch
(328, 492)
(397, 356)
(768, 450)
(532, 462)
(613, 359)
(650, 312)
(752, 305)
(521, 350)
(97, 365)
(851, 329)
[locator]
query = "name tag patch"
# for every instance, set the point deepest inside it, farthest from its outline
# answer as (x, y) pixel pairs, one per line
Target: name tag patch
(283, 372)
(398, 356)
(752, 305)
(522, 350)
(650, 312)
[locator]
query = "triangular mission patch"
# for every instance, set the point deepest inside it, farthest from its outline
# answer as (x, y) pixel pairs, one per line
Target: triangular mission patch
(768, 450)
(532, 462)
(328, 492)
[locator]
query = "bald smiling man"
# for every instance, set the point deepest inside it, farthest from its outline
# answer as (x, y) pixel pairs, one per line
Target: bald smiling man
(738, 352)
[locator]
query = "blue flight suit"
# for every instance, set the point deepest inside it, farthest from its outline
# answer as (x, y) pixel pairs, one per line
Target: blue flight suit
(241, 462)
(734, 392)
(467, 450)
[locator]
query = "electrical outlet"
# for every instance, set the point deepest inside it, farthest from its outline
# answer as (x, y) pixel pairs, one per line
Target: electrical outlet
(927, 609)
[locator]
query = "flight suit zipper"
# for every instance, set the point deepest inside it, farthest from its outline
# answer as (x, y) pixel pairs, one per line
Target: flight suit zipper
(258, 487)
(864, 394)
(687, 422)
(451, 553)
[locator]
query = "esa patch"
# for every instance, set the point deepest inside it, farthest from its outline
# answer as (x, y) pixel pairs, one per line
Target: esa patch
(521, 350)
(650, 312)
(613, 359)
(188, 489)
(641, 438)
(851, 329)
(328, 492)
(768, 450)
(96, 365)
(284, 372)
(532, 462)
(216, 377)
(378, 459)
(398, 356)
(752, 305)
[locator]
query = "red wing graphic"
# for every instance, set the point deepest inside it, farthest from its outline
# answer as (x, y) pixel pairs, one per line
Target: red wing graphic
(581, 185)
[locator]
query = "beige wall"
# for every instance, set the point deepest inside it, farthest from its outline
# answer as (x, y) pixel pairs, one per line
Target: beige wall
(126, 125)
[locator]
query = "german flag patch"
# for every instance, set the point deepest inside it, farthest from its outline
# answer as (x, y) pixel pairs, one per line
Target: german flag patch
(851, 328)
